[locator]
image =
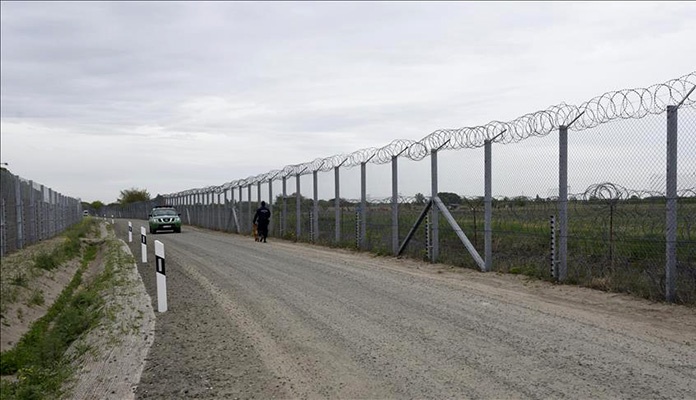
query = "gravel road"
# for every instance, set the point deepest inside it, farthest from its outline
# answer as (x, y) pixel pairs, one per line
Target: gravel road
(288, 320)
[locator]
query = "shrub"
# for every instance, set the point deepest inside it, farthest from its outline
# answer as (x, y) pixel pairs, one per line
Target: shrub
(37, 298)
(46, 261)
(20, 280)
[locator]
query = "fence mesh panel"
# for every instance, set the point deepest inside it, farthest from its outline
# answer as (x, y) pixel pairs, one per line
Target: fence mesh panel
(30, 212)
(616, 186)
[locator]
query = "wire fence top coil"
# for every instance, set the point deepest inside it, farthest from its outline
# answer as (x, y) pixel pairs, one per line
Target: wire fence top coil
(623, 104)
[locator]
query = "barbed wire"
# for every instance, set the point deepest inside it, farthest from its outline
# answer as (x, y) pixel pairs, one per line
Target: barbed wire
(623, 104)
(605, 192)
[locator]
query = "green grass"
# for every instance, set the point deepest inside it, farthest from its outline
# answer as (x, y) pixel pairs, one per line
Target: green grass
(20, 280)
(618, 249)
(37, 298)
(68, 250)
(41, 362)
(46, 261)
(38, 361)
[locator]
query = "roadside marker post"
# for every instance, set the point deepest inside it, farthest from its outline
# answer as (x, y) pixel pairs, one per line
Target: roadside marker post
(130, 232)
(161, 277)
(554, 275)
(143, 244)
(112, 219)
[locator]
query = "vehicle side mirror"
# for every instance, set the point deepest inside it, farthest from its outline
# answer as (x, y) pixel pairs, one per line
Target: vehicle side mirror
(149, 215)
(180, 214)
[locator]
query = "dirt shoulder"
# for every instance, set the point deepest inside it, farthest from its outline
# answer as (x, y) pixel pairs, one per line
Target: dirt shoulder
(19, 281)
(109, 359)
(112, 366)
(290, 320)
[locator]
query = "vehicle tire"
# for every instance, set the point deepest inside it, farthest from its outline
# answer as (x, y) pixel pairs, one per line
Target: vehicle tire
(177, 230)
(153, 231)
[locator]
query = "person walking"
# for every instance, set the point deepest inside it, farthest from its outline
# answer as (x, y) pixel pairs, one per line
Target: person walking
(262, 217)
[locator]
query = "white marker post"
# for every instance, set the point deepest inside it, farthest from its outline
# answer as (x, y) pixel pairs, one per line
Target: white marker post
(112, 219)
(143, 244)
(130, 232)
(161, 277)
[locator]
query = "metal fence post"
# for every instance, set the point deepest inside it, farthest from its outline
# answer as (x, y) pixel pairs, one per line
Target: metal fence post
(395, 205)
(57, 213)
(488, 207)
(563, 203)
(270, 204)
(434, 223)
(284, 216)
(363, 206)
(54, 213)
(241, 213)
(19, 210)
(298, 208)
(337, 204)
(258, 194)
(194, 209)
(249, 213)
(63, 206)
(201, 209)
(671, 192)
(56, 216)
(42, 218)
(225, 214)
(315, 211)
(208, 210)
(219, 211)
(59, 210)
(202, 213)
(211, 210)
(32, 214)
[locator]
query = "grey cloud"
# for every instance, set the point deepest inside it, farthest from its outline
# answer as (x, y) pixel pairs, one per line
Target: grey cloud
(295, 73)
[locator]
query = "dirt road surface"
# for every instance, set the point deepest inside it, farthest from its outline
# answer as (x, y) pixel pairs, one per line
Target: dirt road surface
(286, 320)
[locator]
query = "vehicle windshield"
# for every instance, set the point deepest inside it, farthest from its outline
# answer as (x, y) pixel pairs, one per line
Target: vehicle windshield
(163, 212)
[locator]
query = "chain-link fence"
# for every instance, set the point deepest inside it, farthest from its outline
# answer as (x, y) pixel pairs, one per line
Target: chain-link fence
(30, 212)
(587, 194)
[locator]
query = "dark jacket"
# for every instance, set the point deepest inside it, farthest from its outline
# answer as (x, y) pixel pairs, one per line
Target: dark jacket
(262, 216)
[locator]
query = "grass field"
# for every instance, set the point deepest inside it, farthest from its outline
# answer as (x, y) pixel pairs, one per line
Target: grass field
(614, 247)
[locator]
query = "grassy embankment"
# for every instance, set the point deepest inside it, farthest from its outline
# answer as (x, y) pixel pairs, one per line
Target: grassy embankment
(38, 366)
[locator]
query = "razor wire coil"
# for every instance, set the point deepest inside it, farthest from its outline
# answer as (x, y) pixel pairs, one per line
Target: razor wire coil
(623, 104)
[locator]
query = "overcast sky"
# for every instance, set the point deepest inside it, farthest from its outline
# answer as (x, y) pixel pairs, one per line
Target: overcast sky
(98, 97)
